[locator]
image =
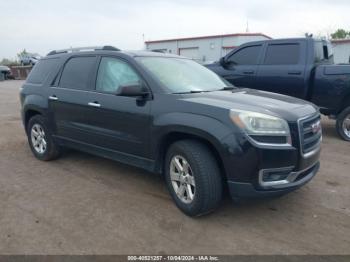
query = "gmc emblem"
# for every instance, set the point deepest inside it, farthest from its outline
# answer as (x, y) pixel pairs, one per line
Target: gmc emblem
(316, 127)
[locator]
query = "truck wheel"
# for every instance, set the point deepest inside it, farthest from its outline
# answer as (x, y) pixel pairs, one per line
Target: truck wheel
(40, 139)
(343, 124)
(193, 177)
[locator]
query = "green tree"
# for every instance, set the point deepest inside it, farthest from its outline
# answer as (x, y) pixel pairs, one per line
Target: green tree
(8, 62)
(22, 53)
(340, 34)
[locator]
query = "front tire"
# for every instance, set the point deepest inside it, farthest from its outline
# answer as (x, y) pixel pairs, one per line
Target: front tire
(193, 177)
(40, 139)
(343, 124)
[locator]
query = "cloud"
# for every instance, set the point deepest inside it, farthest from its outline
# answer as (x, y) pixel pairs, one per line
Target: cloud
(40, 26)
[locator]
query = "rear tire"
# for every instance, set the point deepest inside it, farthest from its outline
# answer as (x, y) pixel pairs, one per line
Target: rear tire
(40, 139)
(197, 189)
(343, 124)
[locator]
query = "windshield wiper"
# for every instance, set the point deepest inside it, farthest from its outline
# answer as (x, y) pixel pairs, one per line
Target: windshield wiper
(206, 91)
(193, 92)
(227, 88)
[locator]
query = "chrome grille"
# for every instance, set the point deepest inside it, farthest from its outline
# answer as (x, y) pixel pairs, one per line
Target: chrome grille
(310, 133)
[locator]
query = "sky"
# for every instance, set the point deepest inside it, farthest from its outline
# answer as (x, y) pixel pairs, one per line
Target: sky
(40, 26)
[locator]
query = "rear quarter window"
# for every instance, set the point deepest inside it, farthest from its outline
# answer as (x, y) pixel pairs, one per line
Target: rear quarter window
(42, 69)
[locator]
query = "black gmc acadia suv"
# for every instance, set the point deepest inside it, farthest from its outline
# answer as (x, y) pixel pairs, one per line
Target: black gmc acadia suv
(168, 114)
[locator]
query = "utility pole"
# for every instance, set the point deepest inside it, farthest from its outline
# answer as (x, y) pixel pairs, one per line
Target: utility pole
(143, 41)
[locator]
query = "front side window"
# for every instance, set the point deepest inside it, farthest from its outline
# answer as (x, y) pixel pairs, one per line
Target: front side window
(282, 54)
(76, 73)
(114, 73)
(246, 56)
(179, 75)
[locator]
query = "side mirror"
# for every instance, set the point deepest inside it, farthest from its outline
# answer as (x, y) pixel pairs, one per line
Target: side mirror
(134, 90)
(222, 62)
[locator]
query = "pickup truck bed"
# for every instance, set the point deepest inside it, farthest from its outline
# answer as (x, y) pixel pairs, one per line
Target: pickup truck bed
(331, 88)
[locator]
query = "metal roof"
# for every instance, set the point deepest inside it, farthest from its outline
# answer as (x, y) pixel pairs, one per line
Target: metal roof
(207, 37)
(340, 41)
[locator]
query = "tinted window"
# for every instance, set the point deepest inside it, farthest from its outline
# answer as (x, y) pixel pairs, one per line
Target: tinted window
(284, 54)
(114, 73)
(246, 56)
(76, 73)
(41, 70)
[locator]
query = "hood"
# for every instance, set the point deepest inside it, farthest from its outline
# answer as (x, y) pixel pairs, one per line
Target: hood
(286, 107)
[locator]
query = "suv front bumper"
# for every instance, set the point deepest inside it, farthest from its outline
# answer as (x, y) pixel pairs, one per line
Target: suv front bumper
(296, 180)
(259, 170)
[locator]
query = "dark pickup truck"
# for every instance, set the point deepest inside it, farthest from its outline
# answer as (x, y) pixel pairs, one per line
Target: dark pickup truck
(301, 67)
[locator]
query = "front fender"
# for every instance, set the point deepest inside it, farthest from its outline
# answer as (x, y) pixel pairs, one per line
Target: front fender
(204, 126)
(209, 129)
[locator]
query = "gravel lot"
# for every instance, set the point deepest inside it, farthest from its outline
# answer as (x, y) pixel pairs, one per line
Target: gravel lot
(81, 204)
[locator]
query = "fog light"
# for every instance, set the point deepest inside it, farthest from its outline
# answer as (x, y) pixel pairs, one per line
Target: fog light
(270, 176)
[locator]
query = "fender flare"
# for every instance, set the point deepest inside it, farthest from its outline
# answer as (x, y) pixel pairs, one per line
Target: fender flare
(201, 127)
(34, 103)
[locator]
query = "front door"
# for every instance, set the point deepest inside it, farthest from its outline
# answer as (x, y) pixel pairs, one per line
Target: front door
(118, 123)
(241, 66)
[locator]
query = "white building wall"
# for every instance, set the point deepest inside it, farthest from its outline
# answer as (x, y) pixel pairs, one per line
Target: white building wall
(209, 49)
(341, 52)
(171, 47)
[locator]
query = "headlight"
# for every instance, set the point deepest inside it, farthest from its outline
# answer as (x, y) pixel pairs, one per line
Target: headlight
(258, 124)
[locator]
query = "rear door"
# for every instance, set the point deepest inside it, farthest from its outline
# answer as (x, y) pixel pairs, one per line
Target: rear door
(68, 99)
(282, 69)
(241, 66)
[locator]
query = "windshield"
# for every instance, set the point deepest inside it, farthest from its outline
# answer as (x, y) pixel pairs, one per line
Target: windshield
(183, 75)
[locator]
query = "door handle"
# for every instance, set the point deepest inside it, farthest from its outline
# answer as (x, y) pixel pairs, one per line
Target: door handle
(248, 72)
(53, 97)
(94, 104)
(294, 73)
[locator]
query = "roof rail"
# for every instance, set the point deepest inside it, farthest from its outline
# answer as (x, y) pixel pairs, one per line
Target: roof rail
(87, 48)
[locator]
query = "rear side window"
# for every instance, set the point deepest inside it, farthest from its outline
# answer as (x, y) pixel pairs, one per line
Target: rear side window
(41, 70)
(76, 73)
(246, 56)
(282, 54)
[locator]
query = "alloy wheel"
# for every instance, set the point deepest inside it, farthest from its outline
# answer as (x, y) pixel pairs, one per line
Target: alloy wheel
(182, 179)
(346, 126)
(37, 135)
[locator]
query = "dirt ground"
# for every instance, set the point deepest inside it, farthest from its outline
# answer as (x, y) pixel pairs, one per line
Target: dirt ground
(81, 204)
